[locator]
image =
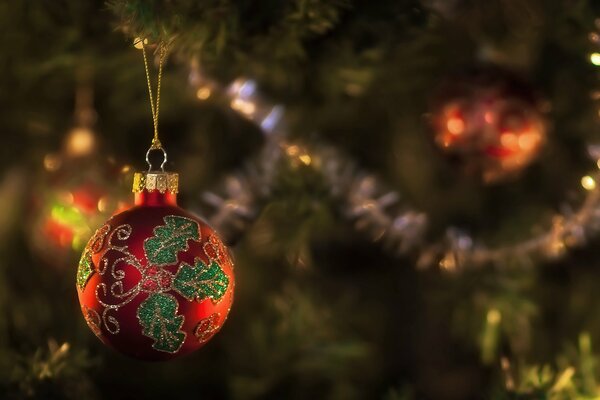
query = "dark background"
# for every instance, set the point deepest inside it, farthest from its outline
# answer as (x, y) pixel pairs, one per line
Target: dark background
(322, 310)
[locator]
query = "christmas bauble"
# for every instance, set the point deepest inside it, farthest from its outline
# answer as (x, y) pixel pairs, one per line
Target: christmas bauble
(67, 204)
(155, 282)
(490, 122)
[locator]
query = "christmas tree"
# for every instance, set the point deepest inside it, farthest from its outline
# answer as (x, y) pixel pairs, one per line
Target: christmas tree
(409, 191)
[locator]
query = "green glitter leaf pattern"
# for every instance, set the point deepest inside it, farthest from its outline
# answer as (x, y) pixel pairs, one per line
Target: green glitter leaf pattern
(159, 320)
(85, 270)
(170, 239)
(201, 281)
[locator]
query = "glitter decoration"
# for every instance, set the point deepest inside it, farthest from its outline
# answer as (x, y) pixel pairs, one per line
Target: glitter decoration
(207, 327)
(162, 181)
(159, 320)
(156, 279)
(384, 215)
(97, 241)
(201, 281)
(85, 270)
(170, 239)
(106, 268)
(215, 250)
(92, 318)
(134, 304)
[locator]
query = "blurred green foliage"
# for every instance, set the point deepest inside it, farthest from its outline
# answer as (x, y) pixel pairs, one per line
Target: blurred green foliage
(320, 312)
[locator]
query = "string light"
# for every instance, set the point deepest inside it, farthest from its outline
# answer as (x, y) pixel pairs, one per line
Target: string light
(245, 107)
(103, 204)
(493, 317)
(588, 183)
(401, 233)
(80, 142)
(455, 125)
(203, 93)
(52, 162)
(305, 159)
(272, 118)
(448, 263)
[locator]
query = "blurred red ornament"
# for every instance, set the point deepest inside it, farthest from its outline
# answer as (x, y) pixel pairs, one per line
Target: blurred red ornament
(73, 197)
(490, 122)
(155, 282)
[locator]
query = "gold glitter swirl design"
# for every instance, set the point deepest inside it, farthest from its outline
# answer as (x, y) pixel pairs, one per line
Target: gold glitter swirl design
(97, 241)
(92, 318)
(122, 233)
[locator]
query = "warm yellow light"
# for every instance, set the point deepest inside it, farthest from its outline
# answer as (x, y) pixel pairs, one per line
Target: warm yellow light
(509, 140)
(528, 141)
(588, 183)
(445, 139)
(102, 204)
(51, 162)
(203, 93)
(80, 142)
(595, 58)
(494, 317)
(292, 150)
(564, 379)
(449, 262)
(249, 108)
(138, 43)
(66, 197)
(125, 169)
(455, 125)
(245, 107)
(305, 158)
(237, 104)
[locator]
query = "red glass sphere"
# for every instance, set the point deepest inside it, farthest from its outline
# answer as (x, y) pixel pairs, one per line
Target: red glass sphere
(490, 122)
(155, 282)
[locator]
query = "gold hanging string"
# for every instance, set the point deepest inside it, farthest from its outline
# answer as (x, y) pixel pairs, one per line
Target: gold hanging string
(154, 106)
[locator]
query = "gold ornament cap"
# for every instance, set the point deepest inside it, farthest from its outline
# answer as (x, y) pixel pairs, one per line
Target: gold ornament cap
(156, 180)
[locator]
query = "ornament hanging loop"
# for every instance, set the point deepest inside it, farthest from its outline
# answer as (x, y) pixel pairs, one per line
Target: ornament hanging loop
(162, 164)
(154, 106)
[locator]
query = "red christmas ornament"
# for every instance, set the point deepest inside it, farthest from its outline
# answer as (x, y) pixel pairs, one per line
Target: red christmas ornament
(155, 282)
(490, 122)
